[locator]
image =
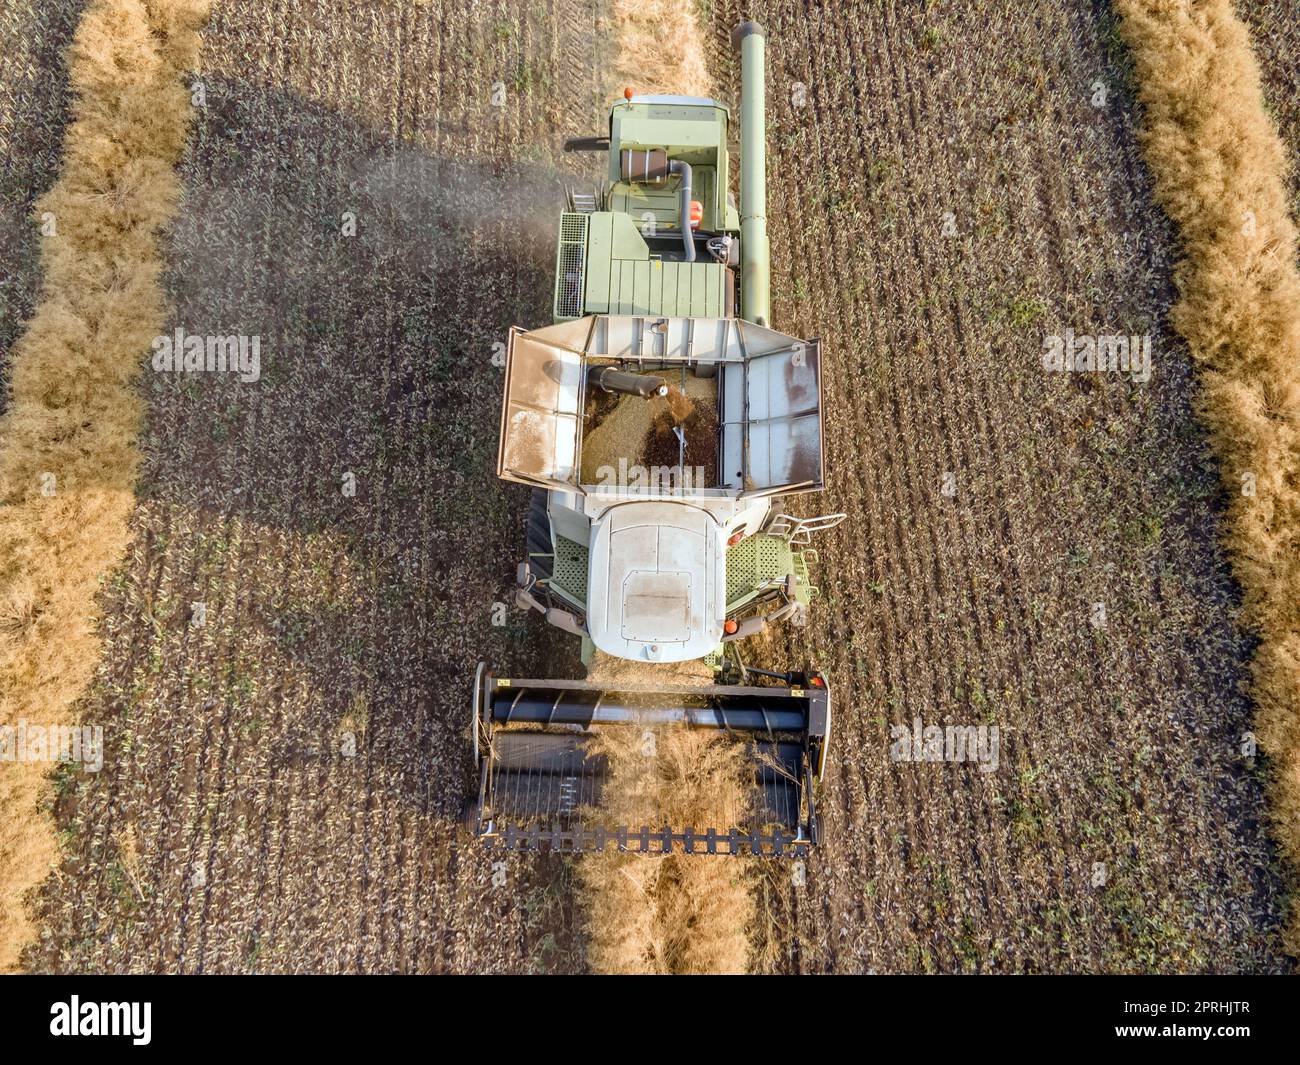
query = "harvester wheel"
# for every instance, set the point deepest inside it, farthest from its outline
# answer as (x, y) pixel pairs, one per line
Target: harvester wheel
(539, 535)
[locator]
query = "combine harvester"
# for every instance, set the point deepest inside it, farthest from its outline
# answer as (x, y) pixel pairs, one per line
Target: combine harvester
(653, 566)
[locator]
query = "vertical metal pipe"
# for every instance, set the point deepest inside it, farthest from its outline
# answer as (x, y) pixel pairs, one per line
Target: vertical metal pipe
(755, 264)
(684, 207)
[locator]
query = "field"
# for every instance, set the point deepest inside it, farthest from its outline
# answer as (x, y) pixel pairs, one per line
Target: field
(1122, 739)
(1277, 35)
(33, 103)
(371, 188)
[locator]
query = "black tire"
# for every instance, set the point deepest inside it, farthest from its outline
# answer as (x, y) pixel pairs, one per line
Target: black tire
(538, 536)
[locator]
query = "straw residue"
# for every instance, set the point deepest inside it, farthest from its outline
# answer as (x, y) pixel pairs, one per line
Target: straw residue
(676, 913)
(67, 441)
(1219, 171)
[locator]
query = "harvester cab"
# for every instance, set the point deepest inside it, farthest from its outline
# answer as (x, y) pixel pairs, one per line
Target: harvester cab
(659, 421)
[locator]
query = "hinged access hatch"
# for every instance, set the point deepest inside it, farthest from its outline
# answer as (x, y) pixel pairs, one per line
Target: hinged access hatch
(541, 413)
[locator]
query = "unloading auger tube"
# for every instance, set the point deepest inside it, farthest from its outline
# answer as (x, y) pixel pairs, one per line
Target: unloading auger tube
(540, 785)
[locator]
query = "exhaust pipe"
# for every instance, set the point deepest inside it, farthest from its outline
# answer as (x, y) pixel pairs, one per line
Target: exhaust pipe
(683, 170)
(755, 295)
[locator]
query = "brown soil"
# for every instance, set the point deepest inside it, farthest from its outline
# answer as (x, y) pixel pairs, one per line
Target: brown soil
(339, 623)
(1124, 830)
(293, 770)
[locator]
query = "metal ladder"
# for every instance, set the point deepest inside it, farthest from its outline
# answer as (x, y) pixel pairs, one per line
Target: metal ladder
(798, 531)
(586, 202)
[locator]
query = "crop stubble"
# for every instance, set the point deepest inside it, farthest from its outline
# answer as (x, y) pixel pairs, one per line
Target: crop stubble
(263, 847)
(333, 622)
(1119, 745)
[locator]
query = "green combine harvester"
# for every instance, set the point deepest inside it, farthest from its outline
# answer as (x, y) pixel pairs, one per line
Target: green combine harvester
(669, 547)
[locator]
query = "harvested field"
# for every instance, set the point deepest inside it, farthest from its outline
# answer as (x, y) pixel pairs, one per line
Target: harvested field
(34, 112)
(1275, 36)
(293, 767)
(971, 200)
(33, 115)
(67, 437)
(1219, 174)
(288, 649)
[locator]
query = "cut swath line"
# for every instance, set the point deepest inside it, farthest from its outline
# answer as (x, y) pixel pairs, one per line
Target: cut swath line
(679, 913)
(69, 459)
(1218, 167)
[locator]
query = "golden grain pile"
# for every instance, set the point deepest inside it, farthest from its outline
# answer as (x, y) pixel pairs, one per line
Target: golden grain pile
(1219, 169)
(627, 429)
(67, 441)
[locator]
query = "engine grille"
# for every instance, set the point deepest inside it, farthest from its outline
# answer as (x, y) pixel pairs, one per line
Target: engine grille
(570, 265)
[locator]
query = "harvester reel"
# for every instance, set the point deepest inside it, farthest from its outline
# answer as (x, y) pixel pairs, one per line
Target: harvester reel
(540, 783)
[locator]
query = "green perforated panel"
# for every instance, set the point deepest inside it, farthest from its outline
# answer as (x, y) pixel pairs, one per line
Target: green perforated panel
(805, 590)
(753, 564)
(569, 576)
